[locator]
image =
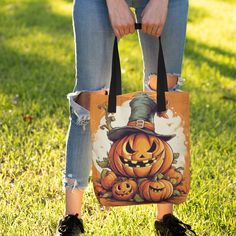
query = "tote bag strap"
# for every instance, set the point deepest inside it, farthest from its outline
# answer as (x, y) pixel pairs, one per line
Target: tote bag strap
(116, 86)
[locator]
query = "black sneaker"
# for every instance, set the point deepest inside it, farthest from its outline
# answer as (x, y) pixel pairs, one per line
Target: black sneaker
(172, 226)
(70, 225)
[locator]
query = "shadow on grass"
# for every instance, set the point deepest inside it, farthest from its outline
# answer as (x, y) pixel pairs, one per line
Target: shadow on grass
(37, 81)
(33, 77)
(197, 53)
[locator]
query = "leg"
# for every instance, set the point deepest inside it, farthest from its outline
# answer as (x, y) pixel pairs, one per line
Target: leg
(173, 40)
(93, 48)
(163, 209)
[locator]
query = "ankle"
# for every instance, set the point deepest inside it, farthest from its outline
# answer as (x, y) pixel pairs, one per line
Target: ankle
(75, 214)
(160, 217)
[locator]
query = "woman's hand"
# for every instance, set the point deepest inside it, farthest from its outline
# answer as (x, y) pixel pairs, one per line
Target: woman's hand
(121, 17)
(153, 17)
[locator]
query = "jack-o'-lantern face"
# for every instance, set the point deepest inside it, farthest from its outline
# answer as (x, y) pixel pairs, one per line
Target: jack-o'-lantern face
(138, 155)
(124, 190)
(155, 190)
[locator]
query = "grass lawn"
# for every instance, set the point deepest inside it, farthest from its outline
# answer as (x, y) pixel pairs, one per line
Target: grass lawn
(36, 73)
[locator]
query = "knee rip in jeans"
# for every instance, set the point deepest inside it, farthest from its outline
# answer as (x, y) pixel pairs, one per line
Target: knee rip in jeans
(79, 114)
(174, 81)
(72, 183)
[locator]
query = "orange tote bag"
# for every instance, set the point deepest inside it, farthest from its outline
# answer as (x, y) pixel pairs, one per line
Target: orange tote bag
(140, 142)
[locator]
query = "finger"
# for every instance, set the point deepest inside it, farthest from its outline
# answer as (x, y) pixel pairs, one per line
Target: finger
(119, 30)
(126, 29)
(122, 31)
(144, 27)
(132, 28)
(154, 30)
(159, 31)
(117, 33)
(149, 28)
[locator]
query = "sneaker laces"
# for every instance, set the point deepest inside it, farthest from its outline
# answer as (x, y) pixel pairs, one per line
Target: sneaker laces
(66, 225)
(175, 225)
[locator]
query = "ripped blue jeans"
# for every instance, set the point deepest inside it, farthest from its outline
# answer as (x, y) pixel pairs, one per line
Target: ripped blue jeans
(94, 40)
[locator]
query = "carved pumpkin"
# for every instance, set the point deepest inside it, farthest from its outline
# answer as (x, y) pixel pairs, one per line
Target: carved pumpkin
(140, 155)
(108, 179)
(155, 190)
(124, 189)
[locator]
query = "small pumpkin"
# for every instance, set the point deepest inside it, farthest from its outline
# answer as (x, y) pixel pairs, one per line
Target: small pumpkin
(155, 191)
(124, 189)
(108, 178)
(99, 190)
(174, 175)
(139, 155)
(182, 188)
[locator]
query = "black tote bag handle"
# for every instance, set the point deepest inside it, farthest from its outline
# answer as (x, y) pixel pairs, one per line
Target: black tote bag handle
(115, 84)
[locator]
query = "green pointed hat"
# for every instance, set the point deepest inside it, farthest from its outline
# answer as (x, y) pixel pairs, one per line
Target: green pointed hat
(141, 119)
